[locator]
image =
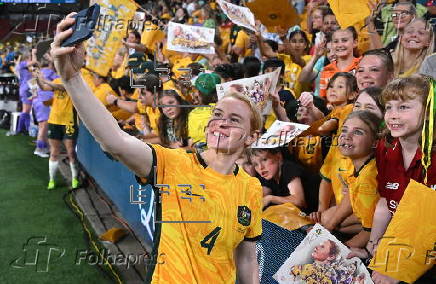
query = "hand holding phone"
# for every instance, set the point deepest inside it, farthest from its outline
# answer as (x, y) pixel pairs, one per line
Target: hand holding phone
(67, 60)
(84, 25)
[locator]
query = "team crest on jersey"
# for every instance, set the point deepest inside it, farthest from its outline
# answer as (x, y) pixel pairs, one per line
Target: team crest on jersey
(244, 215)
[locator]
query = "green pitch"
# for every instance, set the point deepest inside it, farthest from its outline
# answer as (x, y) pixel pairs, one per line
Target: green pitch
(40, 237)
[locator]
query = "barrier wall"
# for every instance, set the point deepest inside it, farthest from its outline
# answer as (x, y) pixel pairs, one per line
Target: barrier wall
(119, 184)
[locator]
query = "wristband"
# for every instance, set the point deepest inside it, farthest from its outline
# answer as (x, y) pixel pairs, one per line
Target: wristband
(367, 251)
(367, 260)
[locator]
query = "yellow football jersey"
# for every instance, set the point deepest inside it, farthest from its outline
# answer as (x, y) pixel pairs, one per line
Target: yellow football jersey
(181, 63)
(151, 35)
(201, 217)
(363, 193)
(102, 91)
(341, 114)
(308, 151)
(335, 165)
(198, 119)
(62, 111)
(171, 85)
(171, 55)
(292, 72)
(153, 115)
(270, 118)
(87, 76)
(242, 41)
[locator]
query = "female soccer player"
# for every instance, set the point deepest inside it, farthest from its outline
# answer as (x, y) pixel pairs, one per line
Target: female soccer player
(209, 210)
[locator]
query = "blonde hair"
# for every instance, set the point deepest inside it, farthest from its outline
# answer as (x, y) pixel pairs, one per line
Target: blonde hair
(256, 122)
(398, 54)
(409, 88)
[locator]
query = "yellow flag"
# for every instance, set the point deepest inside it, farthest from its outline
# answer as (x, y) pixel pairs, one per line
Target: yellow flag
(348, 13)
(287, 216)
(109, 33)
(408, 247)
(274, 13)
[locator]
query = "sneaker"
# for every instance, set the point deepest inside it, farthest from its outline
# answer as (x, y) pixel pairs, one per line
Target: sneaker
(41, 152)
(51, 184)
(74, 183)
(11, 133)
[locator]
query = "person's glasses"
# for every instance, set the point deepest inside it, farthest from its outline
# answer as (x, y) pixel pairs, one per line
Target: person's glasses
(400, 14)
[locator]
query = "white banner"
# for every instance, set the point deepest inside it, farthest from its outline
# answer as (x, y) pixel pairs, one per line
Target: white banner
(190, 39)
(241, 16)
(279, 134)
(256, 88)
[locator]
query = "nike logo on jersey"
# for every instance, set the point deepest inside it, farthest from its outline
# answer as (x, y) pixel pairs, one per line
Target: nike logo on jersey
(392, 185)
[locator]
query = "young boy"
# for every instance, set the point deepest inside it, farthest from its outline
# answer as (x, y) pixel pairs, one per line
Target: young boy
(280, 178)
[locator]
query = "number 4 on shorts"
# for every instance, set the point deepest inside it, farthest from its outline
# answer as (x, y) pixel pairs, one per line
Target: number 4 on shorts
(209, 241)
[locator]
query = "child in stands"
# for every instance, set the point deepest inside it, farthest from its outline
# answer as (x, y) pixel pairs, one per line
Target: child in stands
(354, 214)
(280, 178)
(173, 121)
(344, 44)
(401, 156)
(331, 185)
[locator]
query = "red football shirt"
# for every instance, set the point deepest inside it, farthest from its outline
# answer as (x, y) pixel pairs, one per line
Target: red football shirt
(393, 178)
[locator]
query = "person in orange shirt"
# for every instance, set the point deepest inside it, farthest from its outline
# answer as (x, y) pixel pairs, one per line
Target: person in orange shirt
(344, 44)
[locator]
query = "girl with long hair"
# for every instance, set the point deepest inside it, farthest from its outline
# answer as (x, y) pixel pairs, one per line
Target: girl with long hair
(173, 121)
(416, 43)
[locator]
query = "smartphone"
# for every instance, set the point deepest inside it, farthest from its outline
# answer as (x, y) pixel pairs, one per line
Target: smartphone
(84, 26)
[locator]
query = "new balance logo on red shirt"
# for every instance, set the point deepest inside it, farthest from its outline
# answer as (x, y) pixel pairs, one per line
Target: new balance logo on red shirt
(392, 185)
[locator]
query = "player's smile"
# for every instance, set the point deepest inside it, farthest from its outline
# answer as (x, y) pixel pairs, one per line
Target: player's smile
(228, 125)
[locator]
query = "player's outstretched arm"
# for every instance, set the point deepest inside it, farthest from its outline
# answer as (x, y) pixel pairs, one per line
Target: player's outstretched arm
(68, 61)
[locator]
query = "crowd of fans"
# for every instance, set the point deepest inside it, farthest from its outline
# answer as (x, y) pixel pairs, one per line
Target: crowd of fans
(364, 100)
